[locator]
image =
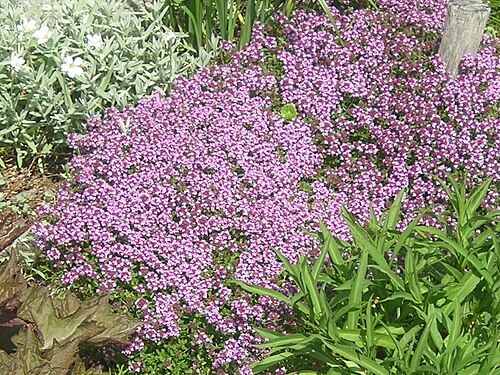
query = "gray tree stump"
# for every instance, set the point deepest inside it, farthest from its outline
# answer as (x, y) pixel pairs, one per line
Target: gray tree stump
(463, 31)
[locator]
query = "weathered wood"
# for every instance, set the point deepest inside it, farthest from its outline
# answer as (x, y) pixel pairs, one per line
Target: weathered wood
(463, 31)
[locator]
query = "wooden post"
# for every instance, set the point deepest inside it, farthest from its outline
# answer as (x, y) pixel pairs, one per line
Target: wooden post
(463, 31)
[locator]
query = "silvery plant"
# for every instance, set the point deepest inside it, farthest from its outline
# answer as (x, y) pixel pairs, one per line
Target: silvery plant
(63, 62)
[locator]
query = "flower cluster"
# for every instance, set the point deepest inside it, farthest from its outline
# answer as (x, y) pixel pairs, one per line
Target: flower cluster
(42, 36)
(73, 59)
(186, 192)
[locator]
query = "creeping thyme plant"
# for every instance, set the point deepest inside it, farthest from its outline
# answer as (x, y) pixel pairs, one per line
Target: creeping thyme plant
(173, 198)
(63, 61)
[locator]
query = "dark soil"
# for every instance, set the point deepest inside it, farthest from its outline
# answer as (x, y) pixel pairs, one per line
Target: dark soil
(21, 192)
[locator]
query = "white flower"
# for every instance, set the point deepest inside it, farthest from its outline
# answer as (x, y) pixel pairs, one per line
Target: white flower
(72, 67)
(43, 34)
(94, 41)
(16, 62)
(170, 36)
(27, 26)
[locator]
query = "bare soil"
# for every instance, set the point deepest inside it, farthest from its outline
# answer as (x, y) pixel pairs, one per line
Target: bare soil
(21, 192)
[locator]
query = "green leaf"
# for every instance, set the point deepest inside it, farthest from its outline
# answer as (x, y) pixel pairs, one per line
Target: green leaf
(288, 112)
(363, 241)
(464, 288)
(356, 336)
(411, 277)
(356, 295)
(312, 291)
(260, 290)
(270, 361)
(249, 20)
(393, 214)
(292, 269)
(329, 14)
(403, 237)
(284, 341)
(422, 345)
(267, 333)
(454, 332)
(369, 329)
(331, 245)
(457, 249)
(401, 295)
(359, 359)
(318, 264)
(476, 197)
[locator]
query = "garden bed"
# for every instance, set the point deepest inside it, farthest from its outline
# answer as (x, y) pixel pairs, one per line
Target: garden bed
(175, 205)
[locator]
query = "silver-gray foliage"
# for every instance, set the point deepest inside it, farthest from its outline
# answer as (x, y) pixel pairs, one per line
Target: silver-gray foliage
(45, 94)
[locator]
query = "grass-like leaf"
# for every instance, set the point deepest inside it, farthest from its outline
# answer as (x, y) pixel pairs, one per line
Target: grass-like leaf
(439, 314)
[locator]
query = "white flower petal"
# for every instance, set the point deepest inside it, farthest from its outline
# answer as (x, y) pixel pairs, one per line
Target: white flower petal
(78, 71)
(26, 26)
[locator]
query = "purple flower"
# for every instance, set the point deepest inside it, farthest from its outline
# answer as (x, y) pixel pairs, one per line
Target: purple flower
(205, 183)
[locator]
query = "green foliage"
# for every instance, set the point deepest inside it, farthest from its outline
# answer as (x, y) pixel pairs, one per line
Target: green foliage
(494, 21)
(175, 355)
(124, 56)
(41, 334)
(18, 204)
(229, 19)
(422, 300)
(288, 112)
(329, 14)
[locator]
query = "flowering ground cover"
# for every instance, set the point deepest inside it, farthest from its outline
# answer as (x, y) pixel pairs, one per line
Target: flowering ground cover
(173, 198)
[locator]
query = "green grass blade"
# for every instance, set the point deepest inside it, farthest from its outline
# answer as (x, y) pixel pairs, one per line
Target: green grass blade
(363, 241)
(454, 333)
(284, 341)
(291, 269)
(312, 291)
(456, 249)
(329, 14)
(255, 289)
(405, 235)
(464, 288)
(409, 336)
(452, 195)
(356, 295)
(268, 334)
(319, 263)
(359, 359)
(331, 245)
(270, 361)
(232, 18)
(222, 17)
(392, 217)
(436, 335)
(341, 312)
(421, 346)
(476, 197)
(369, 331)
(411, 277)
(249, 20)
(397, 345)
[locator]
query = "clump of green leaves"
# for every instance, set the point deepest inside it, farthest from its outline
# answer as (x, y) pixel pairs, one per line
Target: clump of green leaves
(62, 62)
(421, 300)
(288, 112)
(231, 20)
(42, 334)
